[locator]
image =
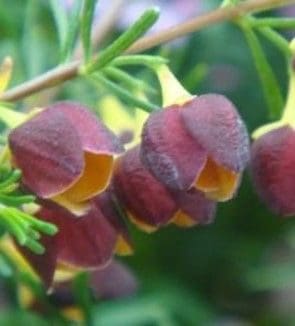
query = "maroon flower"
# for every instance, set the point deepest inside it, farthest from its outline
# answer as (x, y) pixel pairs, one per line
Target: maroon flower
(150, 204)
(65, 154)
(88, 242)
(272, 168)
(202, 144)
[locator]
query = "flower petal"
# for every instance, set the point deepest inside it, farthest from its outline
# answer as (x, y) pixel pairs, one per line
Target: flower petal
(272, 167)
(48, 165)
(213, 121)
(95, 178)
(86, 242)
(105, 202)
(99, 145)
(194, 208)
(114, 281)
(169, 152)
(217, 182)
(96, 138)
(146, 200)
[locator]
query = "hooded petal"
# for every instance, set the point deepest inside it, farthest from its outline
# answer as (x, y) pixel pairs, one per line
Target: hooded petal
(169, 151)
(272, 167)
(194, 208)
(86, 242)
(96, 138)
(49, 152)
(106, 203)
(146, 200)
(213, 121)
(99, 145)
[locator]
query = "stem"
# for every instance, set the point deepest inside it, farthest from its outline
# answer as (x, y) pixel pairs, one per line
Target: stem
(280, 42)
(271, 90)
(289, 112)
(288, 23)
(123, 42)
(86, 24)
(124, 94)
(69, 71)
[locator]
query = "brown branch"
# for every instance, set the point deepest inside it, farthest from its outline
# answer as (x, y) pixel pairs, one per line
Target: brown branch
(66, 72)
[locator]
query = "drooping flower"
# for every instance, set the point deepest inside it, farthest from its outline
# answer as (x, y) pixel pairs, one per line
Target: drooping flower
(65, 154)
(150, 204)
(273, 172)
(196, 142)
(273, 159)
(88, 242)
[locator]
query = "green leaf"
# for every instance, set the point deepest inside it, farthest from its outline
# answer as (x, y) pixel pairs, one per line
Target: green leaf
(150, 61)
(277, 40)
(61, 20)
(271, 89)
(86, 24)
(10, 179)
(123, 42)
(16, 200)
(288, 23)
(72, 31)
(128, 80)
(124, 94)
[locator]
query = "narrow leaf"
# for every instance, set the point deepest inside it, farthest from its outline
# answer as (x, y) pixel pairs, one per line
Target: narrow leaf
(124, 94)
(271, 89)
(123, 42)
(86, 24)
(72, 31)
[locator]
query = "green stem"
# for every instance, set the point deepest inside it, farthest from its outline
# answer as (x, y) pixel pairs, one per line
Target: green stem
(268, 80)
(128, 80)
(124, 41)
(86, 23)
(124, 94)
(289, 112)
(280, 42)
(139, 59)
(288, 23)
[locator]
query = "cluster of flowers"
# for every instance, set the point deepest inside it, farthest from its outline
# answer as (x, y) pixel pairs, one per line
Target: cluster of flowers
(190, 157)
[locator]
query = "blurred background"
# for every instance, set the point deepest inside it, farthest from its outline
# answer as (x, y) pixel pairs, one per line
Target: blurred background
(236, 271)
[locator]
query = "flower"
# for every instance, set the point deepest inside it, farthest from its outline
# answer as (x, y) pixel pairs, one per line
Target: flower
(88, 242)
(201, 143)
(65, 154)
(273, 159)
(149, 203)
(272, 167)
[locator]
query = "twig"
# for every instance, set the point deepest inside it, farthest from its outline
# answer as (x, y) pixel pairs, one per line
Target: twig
(66, 72)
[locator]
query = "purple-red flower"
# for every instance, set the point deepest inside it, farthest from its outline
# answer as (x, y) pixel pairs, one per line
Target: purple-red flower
(150, 203)
(202, 144)
(273, 169)
(65, 154)
(88, 242)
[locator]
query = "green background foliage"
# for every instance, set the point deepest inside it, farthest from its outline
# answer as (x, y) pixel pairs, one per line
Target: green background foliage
(240, 268)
